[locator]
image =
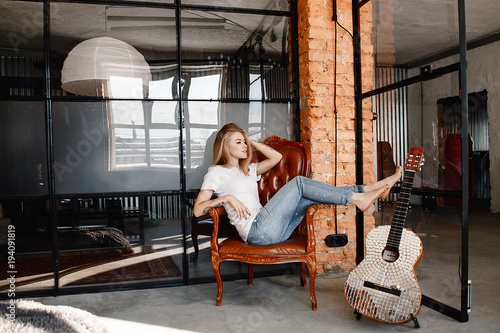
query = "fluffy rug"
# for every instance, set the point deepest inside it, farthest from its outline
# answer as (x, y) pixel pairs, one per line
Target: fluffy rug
(106, 236)
(33, 317)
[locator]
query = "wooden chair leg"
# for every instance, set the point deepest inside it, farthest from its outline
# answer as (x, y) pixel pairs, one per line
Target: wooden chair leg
(250, 274)
(303, 279)
(312, 277)
(218, 278)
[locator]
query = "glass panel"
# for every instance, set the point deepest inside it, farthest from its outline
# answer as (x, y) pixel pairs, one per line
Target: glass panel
(21, 49)
(435, 210)
(163, 83)
(130, 148)
(400, 35)
(206, 86)
(441, 230)
(164, 148)
(116, 45)
(119, 239)
(127, 113)
(26, 225)
(259, 4)
(93, 153)
(23, 149)
(241, 56)
(152, 1)
(165, 113)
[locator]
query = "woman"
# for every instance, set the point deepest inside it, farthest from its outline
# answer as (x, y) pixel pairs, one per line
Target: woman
(234, 181)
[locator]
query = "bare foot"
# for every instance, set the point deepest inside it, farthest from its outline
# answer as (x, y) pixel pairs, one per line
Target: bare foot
(391, 180)
(364, 200)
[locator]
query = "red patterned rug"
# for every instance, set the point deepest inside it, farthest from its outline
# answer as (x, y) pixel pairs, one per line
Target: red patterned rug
(39, 266)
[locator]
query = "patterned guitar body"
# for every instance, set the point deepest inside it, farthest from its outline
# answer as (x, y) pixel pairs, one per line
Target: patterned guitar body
(384, 286)
(384, 290)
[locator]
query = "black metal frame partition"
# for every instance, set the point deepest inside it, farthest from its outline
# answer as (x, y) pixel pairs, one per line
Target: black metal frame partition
(48, 98)
(461, 314)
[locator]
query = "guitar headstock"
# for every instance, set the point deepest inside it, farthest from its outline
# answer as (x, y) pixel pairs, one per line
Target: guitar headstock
(414, 159)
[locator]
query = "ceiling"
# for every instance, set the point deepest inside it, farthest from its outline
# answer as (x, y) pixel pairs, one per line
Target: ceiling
(403, 31)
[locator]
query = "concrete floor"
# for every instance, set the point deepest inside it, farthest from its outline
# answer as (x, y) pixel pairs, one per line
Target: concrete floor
(280, 304)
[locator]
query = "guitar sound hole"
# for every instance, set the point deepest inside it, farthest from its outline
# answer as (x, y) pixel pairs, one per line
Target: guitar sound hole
(390, 255)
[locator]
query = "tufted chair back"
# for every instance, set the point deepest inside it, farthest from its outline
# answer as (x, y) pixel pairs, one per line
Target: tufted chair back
(295, 162)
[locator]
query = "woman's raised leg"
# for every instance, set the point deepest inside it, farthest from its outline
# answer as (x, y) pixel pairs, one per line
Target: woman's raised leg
(364, 200)
(389, 181)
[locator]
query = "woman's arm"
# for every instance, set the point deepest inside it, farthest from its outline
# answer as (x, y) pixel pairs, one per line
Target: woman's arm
(204, 203)
(273, 157)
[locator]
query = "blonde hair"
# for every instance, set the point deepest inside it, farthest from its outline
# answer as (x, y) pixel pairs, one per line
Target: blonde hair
(221, 152)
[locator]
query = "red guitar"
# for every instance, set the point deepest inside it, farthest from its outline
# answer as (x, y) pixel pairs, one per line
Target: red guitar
(383, 286)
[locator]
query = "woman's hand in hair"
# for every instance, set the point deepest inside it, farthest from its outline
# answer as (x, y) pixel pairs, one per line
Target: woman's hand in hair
(273, 157)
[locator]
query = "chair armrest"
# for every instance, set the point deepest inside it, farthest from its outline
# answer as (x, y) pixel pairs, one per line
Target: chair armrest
(215, 213)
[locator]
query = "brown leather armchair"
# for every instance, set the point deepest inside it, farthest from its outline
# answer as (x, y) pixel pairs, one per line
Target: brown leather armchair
(300, 247)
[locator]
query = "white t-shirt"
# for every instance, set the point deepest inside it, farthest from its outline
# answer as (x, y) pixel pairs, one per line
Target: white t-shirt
(224, 181)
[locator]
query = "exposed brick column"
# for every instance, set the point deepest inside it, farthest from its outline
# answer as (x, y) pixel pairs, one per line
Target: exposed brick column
(317, 118)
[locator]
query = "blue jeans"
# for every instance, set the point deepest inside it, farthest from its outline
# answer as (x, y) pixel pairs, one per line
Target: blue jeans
(286, 209)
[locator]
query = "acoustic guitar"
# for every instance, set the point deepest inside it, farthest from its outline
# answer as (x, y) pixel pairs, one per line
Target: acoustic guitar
(384, 286)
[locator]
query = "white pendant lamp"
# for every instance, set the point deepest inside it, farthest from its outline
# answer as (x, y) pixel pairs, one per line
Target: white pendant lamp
(89, 66)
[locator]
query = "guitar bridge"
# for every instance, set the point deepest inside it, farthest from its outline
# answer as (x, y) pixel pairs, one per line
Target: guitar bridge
(392, 291)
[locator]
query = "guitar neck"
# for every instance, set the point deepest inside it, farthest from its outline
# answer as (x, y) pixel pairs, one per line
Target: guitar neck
(401, 211)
